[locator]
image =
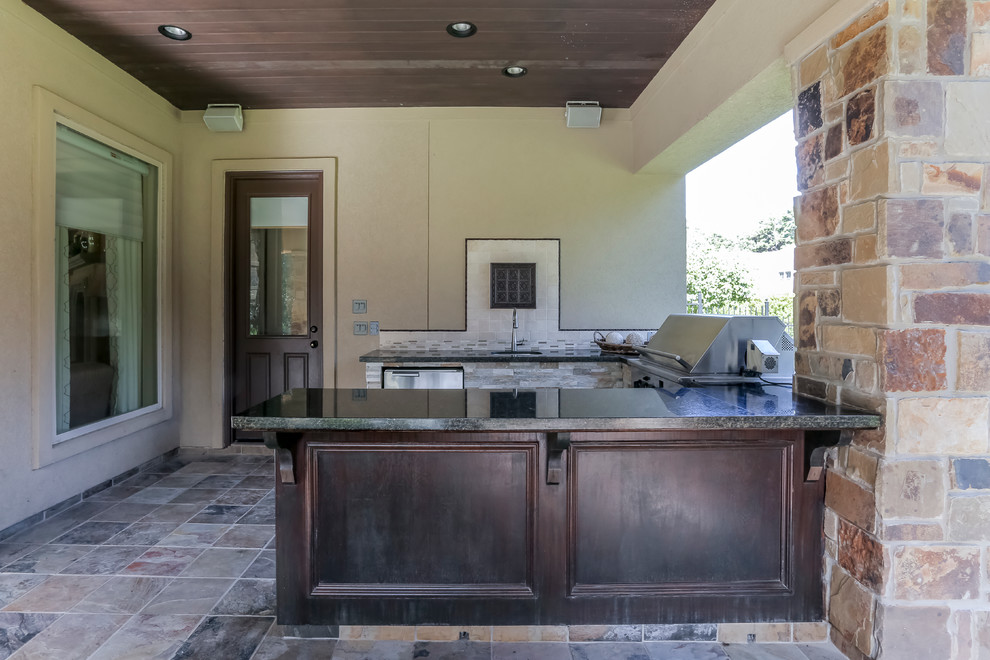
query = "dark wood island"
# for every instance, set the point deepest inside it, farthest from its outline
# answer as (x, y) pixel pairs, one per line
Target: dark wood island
(549, 506)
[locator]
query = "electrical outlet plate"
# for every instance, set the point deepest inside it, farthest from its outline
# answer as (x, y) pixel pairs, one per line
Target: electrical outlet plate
(359, 307)
(360, 327)
(373, 327)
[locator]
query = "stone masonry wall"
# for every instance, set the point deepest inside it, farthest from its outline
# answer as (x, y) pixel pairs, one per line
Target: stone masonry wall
(893, 314)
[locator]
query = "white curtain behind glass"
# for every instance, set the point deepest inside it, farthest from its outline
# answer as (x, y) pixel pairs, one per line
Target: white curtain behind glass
(101, 191)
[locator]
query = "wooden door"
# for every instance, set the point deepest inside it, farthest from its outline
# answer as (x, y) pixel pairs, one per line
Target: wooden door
(276, 274)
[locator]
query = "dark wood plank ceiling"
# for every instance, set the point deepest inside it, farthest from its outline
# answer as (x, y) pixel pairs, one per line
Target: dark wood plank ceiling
(368, 53)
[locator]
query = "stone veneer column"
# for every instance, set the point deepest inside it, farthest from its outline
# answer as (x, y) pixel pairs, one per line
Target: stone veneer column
(893, 314)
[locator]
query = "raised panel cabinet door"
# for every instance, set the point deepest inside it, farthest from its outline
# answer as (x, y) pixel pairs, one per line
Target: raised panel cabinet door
(696, 529)
(409, 530)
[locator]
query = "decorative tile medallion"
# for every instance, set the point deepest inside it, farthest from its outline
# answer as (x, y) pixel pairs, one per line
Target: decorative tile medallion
(513, 285)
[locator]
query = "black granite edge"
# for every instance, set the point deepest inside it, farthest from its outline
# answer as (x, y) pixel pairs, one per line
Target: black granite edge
(448, 356)
(726, 422)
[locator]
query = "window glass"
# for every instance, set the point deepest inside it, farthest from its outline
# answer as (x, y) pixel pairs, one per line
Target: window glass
(278, 298)
(106, 343)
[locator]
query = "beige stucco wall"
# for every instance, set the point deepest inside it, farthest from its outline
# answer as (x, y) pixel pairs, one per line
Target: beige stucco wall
(412, 185)
(728, 78)
(33, 52)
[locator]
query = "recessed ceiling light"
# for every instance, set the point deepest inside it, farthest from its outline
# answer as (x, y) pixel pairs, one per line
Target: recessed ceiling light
(514, 71)
(461, 29)
(175, 32)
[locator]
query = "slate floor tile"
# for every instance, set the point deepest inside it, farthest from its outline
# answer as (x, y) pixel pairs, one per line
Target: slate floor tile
(531, 651)
(148, 637)
(202, 467)
(143, 534)
(194, 535)
(263, 566)
(278, 648)
(453, 650)
(224, 562)
(266, 470)
(72, 636)
(219, 481)
(18, 628)
(227, 637)
(361, 650)
(685, 651)
(246, 536)
(264, 483)
(59, 593)
(201, 496)
(122, 595)
(763, 652)
(177, 513)
(188, 596)
(114, 494)
(241, 496)
(218, 513)
(254, 597)
(48, 559)
(142, 479)
(91, 533)
(260, 514)
(610, 651)
(180, 481)
(10, 552)
(104, 560)
(15, 585)
(822, 651)
(125, 512)
(163, 561)
(45, 531)
(84, 511)
(155, 495)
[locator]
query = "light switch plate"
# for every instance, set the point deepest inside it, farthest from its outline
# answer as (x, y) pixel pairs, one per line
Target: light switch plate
(373, 328)
(359, 307)
(360, 327)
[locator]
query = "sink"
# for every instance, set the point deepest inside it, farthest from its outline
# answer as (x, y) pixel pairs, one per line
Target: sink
(517, 352)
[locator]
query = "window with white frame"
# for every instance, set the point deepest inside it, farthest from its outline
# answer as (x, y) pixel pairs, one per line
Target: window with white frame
(106, 282)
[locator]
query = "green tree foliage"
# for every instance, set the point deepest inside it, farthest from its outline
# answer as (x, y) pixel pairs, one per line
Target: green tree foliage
(717, 273)
(771, 235)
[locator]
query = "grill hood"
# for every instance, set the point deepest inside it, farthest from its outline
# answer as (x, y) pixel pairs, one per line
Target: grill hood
(714, 346)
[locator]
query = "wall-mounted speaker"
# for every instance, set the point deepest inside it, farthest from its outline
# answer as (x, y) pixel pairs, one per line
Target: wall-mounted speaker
(224, 117)
(583, 114)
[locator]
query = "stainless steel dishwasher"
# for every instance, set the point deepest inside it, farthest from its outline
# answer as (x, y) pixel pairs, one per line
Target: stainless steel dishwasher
(423, 378)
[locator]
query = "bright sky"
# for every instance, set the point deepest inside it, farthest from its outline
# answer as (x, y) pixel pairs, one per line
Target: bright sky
(752, 180)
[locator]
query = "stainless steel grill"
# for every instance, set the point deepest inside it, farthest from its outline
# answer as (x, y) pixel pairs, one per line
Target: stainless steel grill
(695, 349)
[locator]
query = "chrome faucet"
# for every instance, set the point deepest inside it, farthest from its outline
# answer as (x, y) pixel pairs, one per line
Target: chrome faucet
(515, 326)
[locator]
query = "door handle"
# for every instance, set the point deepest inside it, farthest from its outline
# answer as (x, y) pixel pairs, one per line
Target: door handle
(557, 444)
(314, 344)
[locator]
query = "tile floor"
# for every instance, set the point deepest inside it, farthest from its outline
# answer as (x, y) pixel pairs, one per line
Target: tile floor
(179, 562)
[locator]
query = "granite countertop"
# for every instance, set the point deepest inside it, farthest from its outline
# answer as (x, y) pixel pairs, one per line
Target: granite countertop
(549, 409)
(458, 355)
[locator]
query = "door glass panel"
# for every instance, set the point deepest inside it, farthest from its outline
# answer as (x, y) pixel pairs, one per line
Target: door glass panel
(278, 284)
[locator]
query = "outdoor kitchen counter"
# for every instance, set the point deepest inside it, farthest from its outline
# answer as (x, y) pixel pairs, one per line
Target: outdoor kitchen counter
(550, 409)
(549, 506)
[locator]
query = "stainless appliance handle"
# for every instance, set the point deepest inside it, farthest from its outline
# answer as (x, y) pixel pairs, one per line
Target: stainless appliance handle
(677, 358)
